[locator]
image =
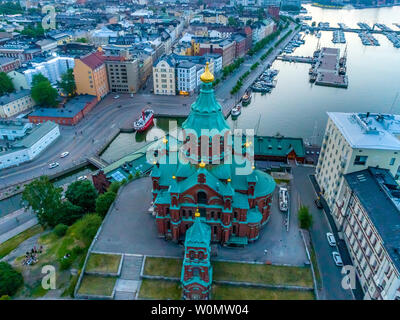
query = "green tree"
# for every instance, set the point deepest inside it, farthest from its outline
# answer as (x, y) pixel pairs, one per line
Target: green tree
(68, 213)
(305, 218)
(103, 202)
(44, 199)
(232, 22)
(114, 186)
(82, 40)
(42, 91)
(10, 279)
(82, 194)
(6, 84)
(86, 227)
(67, 83)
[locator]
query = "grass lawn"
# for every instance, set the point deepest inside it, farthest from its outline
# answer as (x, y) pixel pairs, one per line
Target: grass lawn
(97, 285)
(262, 273)
(230, 271)
(225, 292)
(160, 289)
(14, 242)
(168, 267)
(103, 263)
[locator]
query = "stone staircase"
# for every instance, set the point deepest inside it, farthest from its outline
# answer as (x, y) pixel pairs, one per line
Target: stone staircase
(129, 280)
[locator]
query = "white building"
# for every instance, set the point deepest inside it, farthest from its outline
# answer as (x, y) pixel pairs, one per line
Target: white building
(30, 146)
(353, 142)
(369, 217)
(11, 130)
(186, 77)
(262, 29)
(52, 69)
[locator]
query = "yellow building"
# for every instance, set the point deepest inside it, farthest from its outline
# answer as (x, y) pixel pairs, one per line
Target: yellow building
(90, 75)
(14, 103)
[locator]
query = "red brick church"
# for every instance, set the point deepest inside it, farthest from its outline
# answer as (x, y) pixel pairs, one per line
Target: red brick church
(230, 203)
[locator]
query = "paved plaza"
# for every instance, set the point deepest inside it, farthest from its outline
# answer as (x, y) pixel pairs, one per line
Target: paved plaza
(131, 229)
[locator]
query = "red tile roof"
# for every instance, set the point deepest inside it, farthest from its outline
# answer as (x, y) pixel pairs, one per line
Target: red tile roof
(96, 59)
(93, 60)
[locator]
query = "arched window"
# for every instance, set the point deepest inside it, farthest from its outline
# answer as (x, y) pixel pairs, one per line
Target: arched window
(201, 197)
(191, 255)
(201, 255)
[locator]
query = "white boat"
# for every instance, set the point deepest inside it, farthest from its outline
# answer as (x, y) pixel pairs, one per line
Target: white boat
(236, 111)
(283, 199)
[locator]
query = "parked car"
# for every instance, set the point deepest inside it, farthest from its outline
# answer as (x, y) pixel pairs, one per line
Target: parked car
(53, 165)
(116, 97)
(337, 258)
(64, 154)
(81, 178)
(331, 239)
(318, 203)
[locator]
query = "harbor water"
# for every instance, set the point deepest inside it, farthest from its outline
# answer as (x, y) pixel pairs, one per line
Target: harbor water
(297, 108)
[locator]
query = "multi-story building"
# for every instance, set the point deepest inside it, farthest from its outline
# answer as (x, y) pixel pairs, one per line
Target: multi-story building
(47, 45)
(225, 47)
(369, 216)
(9, 64)
(11, 130)
(262, 29)
(123, 75)
(52, 68)
(356, 141)
(164, 81)
(186, 77)
(16, 102)
(90, 75)
(36, 140)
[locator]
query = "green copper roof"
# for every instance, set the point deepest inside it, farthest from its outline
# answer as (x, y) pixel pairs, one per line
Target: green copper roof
(254, 215)
(198, 233)
(278, 146)
(206, 112)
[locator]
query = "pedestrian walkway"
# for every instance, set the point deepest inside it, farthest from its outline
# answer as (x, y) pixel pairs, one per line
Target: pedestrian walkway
(129, 281)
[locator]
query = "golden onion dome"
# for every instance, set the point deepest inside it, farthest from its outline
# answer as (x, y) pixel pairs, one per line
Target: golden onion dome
(197, 213)
(207, 76)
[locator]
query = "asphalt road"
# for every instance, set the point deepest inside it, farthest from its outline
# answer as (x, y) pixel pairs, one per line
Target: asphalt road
(330, 274)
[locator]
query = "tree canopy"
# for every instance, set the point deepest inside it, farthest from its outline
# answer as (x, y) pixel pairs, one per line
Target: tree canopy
(104, 202)
(42, 91)
(82, 194)
(305, 218)
(10, 279)
(67, 83)
(44, 199)
(6, 85)
(33, 32)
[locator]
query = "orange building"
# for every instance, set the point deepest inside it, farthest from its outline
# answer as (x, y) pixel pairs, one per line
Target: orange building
(90, 75)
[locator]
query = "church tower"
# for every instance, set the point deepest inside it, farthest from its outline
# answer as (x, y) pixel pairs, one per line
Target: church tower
(234, 203)
(196, 275)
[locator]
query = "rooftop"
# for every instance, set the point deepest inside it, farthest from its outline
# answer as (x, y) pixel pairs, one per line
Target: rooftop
(38, 131)
(7, 98)
(369, 130)
(372, 186)
(70, 109)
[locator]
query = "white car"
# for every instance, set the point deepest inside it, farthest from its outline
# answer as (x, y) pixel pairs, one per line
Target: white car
(53, 165)
(81, 178)
(331, 239)
(116, 97)
(64, 154)
(337, 258)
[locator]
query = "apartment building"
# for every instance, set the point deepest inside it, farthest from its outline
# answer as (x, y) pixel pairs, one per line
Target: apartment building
(186, 76)
(14, 103)
(90, 75)
(164, 80)
(123, 75)
(36, 140)
(371, 231)
(353, 142)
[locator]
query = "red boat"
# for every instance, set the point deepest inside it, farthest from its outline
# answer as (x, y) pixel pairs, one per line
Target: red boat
(145, 121)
